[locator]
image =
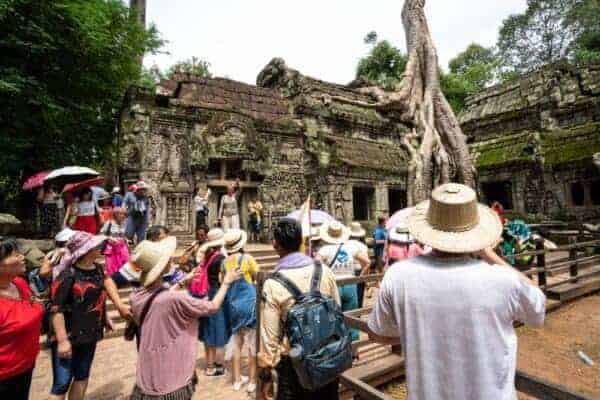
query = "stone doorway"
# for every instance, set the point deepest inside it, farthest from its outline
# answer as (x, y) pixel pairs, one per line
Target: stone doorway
(396, 200)
(248, 193)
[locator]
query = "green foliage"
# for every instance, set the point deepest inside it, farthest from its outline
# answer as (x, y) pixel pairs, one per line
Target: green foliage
(384, 65)
(193, 66)
(150, 77)
(585, 16)
(470, 71)
(541, 35)
(64, 68)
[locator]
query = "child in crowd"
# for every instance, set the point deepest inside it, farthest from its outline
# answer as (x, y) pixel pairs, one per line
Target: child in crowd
(240, 304)
(117, 251)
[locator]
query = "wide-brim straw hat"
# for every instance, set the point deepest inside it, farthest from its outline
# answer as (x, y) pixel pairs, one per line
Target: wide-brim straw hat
(235, 240)
(334, 232)
(214, 238)
(453, 222)
(152, 258)
(357, 231)
(400, 234)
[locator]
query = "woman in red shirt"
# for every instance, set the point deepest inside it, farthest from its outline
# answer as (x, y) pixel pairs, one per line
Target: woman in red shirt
(20, 324)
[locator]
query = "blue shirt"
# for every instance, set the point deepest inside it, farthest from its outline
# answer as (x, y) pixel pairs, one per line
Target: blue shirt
(379, 234)
(117, 200)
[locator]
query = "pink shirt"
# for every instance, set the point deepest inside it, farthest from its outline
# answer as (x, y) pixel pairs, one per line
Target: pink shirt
(169, 342)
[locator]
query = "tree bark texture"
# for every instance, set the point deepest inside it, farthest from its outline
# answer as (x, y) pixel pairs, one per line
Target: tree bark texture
(435, 143)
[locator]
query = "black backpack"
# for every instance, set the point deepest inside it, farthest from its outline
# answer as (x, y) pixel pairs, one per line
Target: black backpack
(320, 341)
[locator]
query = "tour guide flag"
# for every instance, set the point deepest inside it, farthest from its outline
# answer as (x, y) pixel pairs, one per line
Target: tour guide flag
(304, 219)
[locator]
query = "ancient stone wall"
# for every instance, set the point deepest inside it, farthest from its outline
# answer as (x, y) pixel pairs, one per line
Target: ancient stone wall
(538, 135)
(284, 139)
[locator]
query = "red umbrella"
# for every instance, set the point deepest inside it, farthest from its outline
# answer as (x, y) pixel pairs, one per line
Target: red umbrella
(35, 181)
(73, 187)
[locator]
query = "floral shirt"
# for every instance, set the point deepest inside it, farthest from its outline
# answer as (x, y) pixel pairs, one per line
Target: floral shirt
(79, 294)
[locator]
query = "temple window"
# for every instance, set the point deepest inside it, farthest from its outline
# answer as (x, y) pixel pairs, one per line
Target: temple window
(500, 191)
(577, 193)
(396, 200)
(214, 169)
(233, 169)
(363, 201)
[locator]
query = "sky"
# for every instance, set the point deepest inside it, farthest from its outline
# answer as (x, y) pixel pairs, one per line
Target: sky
(320, 38)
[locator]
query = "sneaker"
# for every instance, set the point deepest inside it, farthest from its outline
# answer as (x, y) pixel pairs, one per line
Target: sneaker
(238, 385)
(251, 387)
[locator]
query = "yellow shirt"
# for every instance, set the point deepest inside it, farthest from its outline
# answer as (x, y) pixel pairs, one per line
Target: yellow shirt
(275, 305)
(249, 266)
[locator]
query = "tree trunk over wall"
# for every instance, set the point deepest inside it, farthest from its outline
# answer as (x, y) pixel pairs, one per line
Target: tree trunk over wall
(436, 144)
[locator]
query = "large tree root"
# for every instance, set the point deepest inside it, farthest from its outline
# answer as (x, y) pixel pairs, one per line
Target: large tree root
(436, 144)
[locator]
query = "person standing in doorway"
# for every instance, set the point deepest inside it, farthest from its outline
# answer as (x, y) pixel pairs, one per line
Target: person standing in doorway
(255, 209)
(201, 207)
(138, 212)
(453, 313)
(229, 209)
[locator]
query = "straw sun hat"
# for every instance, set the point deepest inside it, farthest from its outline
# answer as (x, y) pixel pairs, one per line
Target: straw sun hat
(334, 232)
(152, 258)
(214, 238)
(400, 234)
(356, 230)
(453, 222)
(235, 240)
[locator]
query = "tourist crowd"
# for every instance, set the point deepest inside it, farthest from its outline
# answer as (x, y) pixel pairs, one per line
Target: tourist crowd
(446, 298)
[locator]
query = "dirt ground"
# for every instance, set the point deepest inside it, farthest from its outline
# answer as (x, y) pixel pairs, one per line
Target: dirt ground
(550, 353)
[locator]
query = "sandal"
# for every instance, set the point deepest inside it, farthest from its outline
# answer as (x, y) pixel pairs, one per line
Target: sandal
(215, 370)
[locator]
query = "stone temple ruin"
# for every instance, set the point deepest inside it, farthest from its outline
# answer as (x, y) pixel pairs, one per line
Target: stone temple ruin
(287, 137)
(534, 142)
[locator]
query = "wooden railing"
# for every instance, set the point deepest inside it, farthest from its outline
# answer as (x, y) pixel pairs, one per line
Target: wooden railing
(542, 268)
(525, 383)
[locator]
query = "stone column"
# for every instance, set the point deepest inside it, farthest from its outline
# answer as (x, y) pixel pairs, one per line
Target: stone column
(382, 204)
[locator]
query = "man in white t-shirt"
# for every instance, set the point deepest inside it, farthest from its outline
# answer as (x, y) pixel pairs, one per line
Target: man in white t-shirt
(343, 258)
(452, 313)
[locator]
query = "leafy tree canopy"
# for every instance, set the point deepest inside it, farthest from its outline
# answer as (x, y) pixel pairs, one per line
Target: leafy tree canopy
(65, 67)
(585, 16)
(153, 75)
(384, 65)
(470, 71)
(549, 31)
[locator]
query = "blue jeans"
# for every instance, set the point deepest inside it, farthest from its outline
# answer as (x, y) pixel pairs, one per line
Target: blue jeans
(65, 370)
(349, 299)
(136, 227)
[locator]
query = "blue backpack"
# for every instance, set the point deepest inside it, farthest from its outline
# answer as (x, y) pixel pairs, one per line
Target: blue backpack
(320, 341)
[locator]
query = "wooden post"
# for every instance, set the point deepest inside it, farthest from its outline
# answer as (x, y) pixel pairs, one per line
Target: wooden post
(574, 268)
(541, 262)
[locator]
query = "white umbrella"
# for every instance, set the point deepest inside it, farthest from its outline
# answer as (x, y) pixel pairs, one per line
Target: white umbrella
(71, 172)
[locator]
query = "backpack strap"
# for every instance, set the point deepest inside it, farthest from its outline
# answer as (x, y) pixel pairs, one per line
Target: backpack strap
(288, 285)
(315, 283)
